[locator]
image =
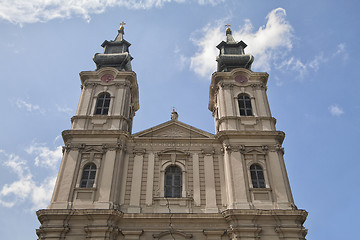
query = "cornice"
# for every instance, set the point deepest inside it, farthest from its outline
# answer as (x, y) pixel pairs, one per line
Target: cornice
(230, 134)
(257, 118)
(68, 134)
(99, 117)
(46, 214)
(233, 214)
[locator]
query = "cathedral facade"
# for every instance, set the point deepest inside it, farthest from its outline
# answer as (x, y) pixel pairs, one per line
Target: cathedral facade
(172, 181)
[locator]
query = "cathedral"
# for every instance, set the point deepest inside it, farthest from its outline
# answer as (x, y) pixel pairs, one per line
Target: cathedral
(172, 181)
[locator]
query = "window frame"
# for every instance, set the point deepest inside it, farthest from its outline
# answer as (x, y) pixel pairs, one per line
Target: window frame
(247, 108)
(256, 180)
(103, 101)
(175, 190)
(90, 178)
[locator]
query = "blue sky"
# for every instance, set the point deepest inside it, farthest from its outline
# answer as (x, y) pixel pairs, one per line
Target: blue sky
(309, 48)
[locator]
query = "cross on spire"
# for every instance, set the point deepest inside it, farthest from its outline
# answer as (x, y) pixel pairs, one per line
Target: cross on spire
(122, 24)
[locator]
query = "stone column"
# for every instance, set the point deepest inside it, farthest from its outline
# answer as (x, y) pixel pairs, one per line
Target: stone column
(228, 177)
(107, 173)
(259, 98)
(63, 192)
(210, 193)
(136, 182)
(240, 189)
(124, 179)
(150, 179)
(196, 180)
(278, 181)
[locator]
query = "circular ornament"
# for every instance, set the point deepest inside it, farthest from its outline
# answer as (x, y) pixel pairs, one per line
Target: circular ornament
(241, 79)
(107, 78)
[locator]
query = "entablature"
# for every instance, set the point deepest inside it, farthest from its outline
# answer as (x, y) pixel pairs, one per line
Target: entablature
(279, 136)
(93, 134)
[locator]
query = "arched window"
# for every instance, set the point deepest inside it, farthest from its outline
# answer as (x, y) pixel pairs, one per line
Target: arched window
(245, 105)
(173, 182)
(102, 104)
(257, 176)
(88, 176)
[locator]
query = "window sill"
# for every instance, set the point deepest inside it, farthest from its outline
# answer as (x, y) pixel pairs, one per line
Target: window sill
(163, 201)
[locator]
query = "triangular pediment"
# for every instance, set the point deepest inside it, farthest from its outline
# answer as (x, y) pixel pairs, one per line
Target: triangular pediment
(254, 151)
(173, 129)
(93, 149)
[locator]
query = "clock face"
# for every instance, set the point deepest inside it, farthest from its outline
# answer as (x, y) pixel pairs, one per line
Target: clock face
(107, 78)
(241, 79)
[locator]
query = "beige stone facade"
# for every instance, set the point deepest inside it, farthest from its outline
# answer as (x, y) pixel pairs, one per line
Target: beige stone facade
(216, 196)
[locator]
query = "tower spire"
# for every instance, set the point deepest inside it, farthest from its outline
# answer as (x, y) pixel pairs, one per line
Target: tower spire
(229, 37)
(232, 54)
(121, 33)
(116, 53)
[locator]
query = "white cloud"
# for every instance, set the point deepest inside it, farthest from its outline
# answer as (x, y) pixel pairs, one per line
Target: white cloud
(182, 60)
(45, 156)
(293, 65)
(64, 109)
(335, 110)
(268, 43)
(31, 11)
(341, 50)
(317, 61)
(25, 187)
(21, 104)
(203, 62)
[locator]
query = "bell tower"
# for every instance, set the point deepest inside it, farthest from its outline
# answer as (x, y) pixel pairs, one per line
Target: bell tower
(244, 124)
(109, 96)
(238, 97)
(94, 146)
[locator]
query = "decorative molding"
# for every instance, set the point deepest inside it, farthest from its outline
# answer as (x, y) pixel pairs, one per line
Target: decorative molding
(291, 232)
(233, 148)
(139, 151)
(279, 148)
(258, 86)
(173, 151)
(173, 232)
(90, 84)
(248, 232)
(265, 148)
(132, 234)
(208, 152)
(71, 146)
(101, 231)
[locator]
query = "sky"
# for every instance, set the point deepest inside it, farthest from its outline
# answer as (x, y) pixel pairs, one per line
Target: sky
(309, 48)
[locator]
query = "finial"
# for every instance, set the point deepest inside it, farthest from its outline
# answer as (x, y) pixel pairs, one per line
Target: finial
(174, 114)
(228, 28)
(122, 25)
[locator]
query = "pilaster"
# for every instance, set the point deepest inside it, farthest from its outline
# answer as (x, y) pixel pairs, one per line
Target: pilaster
(150, 179)
(196, 179)
(107, 175)
(210, 193)
(136, 181)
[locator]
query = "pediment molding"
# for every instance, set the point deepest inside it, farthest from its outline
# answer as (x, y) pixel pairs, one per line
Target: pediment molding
(174, 129)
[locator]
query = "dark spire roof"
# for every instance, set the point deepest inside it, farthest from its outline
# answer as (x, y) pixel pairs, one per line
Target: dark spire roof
(232, 54)
(116, 53)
